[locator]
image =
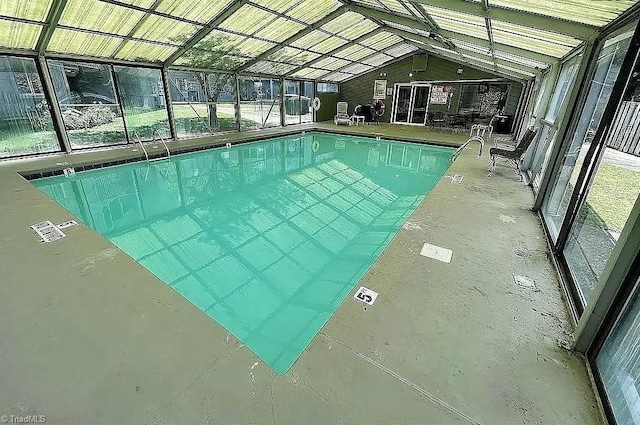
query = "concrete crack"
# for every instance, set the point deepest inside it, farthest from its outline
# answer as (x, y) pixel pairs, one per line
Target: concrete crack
(426, 394)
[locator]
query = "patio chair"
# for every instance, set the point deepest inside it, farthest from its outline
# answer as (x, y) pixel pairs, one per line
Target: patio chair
(512, 154)
(342, 114)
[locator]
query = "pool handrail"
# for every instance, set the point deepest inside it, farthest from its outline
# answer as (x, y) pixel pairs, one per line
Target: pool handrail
(136, 136)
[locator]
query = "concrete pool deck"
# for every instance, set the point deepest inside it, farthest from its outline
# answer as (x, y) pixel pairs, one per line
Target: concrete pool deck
(88, 336)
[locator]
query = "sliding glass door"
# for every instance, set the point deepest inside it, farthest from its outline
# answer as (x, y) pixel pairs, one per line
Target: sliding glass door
(618, 364)
(548, 124)
(606, 73)
(614, 188)
(411, 103)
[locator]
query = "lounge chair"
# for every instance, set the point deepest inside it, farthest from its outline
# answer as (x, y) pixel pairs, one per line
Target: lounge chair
(512, 154)
(342, 114)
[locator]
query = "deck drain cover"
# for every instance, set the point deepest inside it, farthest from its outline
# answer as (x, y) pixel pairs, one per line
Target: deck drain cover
(524, 281)
(457, 179)
(48, 231)
(436, 252)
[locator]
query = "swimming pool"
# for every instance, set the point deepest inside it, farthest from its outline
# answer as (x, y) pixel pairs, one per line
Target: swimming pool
(266, 238)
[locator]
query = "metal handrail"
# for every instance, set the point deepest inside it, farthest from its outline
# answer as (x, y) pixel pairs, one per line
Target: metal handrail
(136, 136)
(157, 132)
(465, 144)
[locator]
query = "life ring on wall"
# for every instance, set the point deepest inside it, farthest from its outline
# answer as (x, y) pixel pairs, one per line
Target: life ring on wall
(315, 145)
(316, 103)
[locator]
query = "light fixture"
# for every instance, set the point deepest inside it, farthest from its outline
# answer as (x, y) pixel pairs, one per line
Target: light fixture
(411, 74)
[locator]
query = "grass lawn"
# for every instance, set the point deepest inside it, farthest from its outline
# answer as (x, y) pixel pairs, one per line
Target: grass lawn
(613, 193)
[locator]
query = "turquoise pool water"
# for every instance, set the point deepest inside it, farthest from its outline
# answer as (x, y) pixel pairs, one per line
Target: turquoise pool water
(266, 238)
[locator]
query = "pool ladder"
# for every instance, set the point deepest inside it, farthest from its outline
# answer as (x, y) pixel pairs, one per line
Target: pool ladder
(156, 137)
(465, 144)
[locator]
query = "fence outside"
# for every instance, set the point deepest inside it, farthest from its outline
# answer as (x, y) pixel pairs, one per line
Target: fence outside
(625, 129)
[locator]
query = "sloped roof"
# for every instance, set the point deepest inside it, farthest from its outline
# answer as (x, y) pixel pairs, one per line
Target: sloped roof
(328, 40)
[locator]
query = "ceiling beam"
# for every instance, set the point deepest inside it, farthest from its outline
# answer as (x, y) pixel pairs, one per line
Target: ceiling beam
(336, 50)
(479, 66)
(342, 68)
(395, 60)
(386, 16)
(137, 26)
(203, 32)
(532, 20)
(328, 18)
(537, 56)
(457, 53)
(53, 17)
(430, 21)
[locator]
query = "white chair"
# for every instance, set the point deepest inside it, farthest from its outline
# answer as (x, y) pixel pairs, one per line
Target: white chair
(342, 114)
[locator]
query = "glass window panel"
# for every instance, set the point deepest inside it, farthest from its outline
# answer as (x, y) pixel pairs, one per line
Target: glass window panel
(338, 76)
(17, 35)
(253, 47)
(208, 59)
(406, 28)
(328, 88)
(343, 21)
(310, 73)
(586, 11)
(306, 98)
(100, 16)
(618, 364)
(293, 56)
(382, 40)
(279, 30)
(89, 106)
(158, 28)
(279, 6)
(611, 196)
(202, 103)
(328, 45)
(25, 121)
(565, 79)
(462, 23)
(247, 20)
(377, 59)
(220, 41)
(141, 51)
(400, 50)
(293, 105)
(193, 10)
(310, 11)
(357, 68)
(221, 96)
(607, 68)
(36, 10)
(273, 68)
(373, 3)
(82, 43)
(140, 3)
(531, 39)
(331, 63)
(311, 39)
(143, 101)
(354, 52)
(189, 103)
(521, 60)
(394, 6)
(358, 30)
(259, 102)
